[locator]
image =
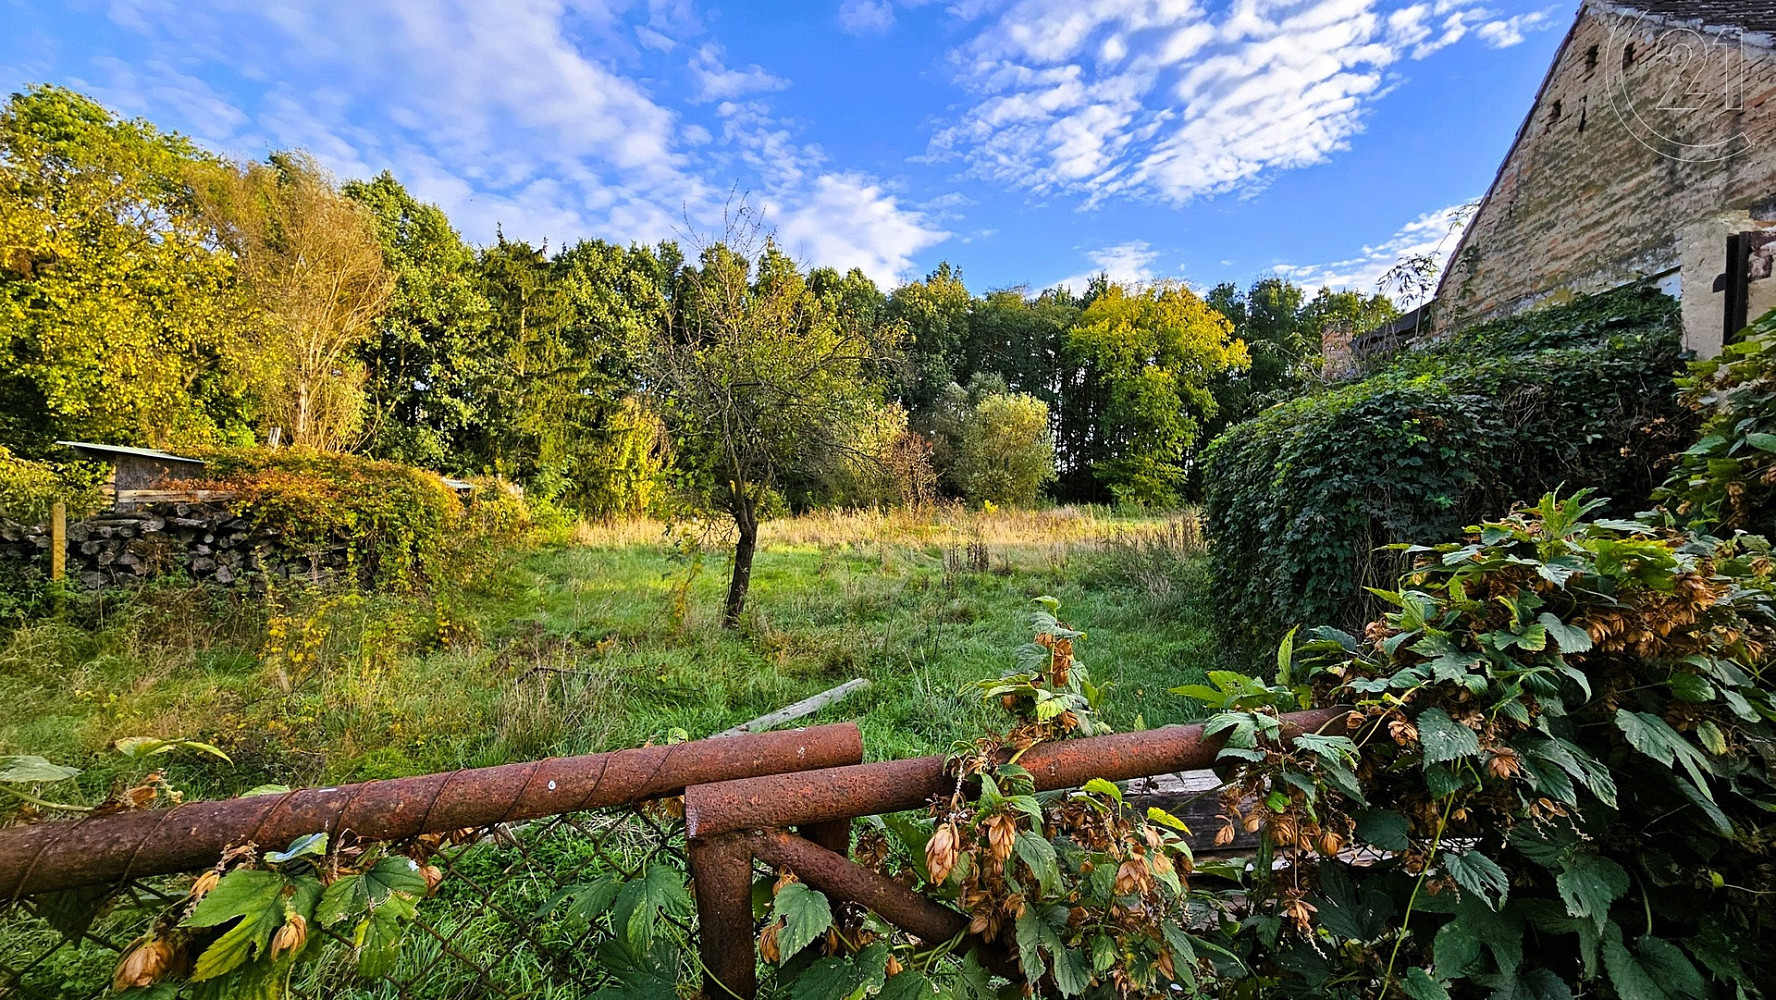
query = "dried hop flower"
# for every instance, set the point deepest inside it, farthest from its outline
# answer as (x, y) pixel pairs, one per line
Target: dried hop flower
(768, 949)
(289, 938)
(1001, 835)
(205, 883)
(143, 965)
(940, 852)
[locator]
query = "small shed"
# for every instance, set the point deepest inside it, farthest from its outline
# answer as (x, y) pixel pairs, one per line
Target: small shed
(139, 474)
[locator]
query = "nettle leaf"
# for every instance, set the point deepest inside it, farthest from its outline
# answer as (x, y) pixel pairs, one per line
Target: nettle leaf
(1570, 638)
(1445, 739)
(641, 901)
(1478, 874)
(1655, 970)
(848, 978)
(1036, 933)
(1418, 984)
(1071, 974)
(1691, 687)
(1455, 952)
(1652, 736)
(1532, 984)
(1103, 951)
(1036, 852)
(22, 768)
(806, 915)
(908, 984)
(1386, 830)
(1588, 885)
(585, 901)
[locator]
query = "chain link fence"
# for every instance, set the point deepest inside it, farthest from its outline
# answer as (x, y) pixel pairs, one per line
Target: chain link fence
(504, 920)
(505, 882)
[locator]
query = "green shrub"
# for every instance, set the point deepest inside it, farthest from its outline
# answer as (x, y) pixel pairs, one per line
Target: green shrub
(1558, 775)
(29, 489)
(1299, 500)
(394, 520)
(1727, 480)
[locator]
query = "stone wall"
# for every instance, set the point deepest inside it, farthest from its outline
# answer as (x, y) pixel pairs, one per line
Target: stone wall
(201, 541)
(1605, 184)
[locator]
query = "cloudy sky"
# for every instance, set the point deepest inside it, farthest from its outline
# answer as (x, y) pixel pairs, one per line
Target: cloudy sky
(1031, 142)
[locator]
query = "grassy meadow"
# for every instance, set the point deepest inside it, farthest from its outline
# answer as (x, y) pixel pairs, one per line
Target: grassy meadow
(605, 637)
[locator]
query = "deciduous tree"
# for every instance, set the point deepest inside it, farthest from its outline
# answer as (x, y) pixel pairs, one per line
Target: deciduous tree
(312, 264)
(759, 380)
(1146, 360)
(116, 305)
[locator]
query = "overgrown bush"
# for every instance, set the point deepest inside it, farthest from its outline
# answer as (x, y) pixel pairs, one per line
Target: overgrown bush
(1558, 780)
(1727, 479)
(393, 520)
(29, 489)
(1299, 500)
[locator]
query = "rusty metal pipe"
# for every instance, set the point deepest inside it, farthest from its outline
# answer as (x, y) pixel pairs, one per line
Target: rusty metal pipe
(840, 793)
(721, 870)
(102, 849)
(839, 877)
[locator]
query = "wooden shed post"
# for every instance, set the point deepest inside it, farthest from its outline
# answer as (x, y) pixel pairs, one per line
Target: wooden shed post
(58, 541)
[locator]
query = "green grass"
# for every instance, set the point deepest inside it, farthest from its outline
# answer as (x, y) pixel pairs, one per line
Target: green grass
(579, 647)
(576, 647)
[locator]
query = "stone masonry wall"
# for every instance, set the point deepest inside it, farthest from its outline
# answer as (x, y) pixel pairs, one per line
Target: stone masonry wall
(1590, 197)
(205, 542)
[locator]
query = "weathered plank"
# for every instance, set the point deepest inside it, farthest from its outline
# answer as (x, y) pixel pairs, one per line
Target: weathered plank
(1194, 797)
(789, 713)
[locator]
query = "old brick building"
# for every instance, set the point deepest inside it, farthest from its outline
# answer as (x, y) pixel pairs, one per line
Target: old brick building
(1650, 149)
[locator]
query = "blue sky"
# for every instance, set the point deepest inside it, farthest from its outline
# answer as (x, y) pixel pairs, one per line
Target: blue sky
(1031, 142)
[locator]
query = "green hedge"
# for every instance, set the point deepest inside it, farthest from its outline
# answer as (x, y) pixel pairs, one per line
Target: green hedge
(395, 520)
(1300, 500)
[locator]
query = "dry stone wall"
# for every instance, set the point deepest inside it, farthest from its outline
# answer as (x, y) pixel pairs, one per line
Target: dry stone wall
(201, 541)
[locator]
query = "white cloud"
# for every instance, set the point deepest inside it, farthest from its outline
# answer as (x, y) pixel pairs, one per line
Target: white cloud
(716, 82)
(1169, 99)
(1128, 263)
(1509, 32)
(848, 220)
(861, 17)
(1433, 233)
(543, 118)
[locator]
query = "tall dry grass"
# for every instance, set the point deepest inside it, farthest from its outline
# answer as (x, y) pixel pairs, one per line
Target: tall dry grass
(1004, 533)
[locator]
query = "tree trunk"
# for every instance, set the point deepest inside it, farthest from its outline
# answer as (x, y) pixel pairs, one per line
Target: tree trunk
(744, 546)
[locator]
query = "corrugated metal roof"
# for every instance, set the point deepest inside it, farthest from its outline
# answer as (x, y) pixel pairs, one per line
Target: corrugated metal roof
(112, 450)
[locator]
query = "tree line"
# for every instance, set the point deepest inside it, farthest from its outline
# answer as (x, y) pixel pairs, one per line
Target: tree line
(152, 293)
